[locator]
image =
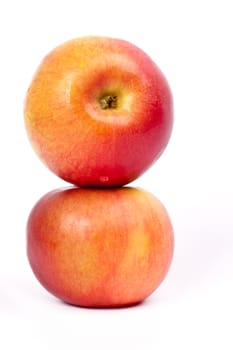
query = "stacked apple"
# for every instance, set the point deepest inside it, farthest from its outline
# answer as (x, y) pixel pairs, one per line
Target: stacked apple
(98, 113)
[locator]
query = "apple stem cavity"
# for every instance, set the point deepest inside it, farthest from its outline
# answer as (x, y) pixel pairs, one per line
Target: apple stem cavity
(108, 102)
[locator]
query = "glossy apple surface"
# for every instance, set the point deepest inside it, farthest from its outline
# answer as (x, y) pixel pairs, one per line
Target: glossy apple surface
(98, 111)
(100, 248)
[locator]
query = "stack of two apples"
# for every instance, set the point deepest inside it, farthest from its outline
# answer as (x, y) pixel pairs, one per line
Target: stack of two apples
(99, 112)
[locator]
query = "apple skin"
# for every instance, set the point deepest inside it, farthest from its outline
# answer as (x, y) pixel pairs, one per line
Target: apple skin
(100, 247)
(76, 133)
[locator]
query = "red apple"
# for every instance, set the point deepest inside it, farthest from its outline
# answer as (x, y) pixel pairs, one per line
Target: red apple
(100, 248)
(98, 111)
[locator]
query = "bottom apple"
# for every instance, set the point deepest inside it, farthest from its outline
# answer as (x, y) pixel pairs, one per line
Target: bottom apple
(100, 248)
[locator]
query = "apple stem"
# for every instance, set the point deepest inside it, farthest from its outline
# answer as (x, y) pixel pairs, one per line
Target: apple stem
(108, 102)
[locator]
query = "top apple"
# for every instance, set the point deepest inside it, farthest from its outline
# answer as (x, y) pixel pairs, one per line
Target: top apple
(98, 111)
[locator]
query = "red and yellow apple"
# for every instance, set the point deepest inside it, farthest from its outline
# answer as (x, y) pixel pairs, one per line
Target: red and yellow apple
(100, 248)
(98, 111)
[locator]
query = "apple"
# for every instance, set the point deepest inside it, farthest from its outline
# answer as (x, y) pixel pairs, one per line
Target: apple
(100, 247)
(98, 111)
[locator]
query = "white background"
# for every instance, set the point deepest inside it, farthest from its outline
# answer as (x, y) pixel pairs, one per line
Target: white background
(192, 43)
